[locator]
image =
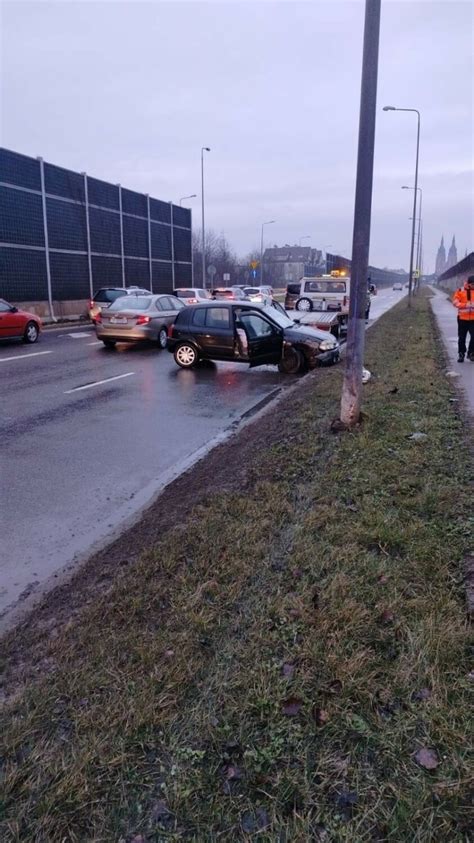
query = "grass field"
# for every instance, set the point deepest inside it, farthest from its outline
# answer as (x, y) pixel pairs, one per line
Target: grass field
(290, 664)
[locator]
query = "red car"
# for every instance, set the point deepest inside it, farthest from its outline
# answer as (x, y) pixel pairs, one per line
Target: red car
(18, 324)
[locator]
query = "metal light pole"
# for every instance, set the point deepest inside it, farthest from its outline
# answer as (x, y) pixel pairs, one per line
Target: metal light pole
(191, 196)
(418, 248)
(203, 150)
(415, 191)
(270, 222)
(351, 397)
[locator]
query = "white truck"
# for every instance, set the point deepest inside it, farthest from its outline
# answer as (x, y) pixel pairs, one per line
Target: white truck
(328, 294)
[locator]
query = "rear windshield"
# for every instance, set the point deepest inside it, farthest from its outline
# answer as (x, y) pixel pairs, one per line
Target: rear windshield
(133, 303)
(224, 294)
(109, 295)
(252, 291)
(324, 286)
(293, 288)
(185, 294)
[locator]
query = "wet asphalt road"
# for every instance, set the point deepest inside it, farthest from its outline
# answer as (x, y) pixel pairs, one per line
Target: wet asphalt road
(79, 456)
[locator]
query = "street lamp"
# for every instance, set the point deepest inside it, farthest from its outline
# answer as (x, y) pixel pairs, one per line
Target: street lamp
(191, 196)
(305, 237)
(418, 250)
(203, 150)
(415, 191)
(270, 222)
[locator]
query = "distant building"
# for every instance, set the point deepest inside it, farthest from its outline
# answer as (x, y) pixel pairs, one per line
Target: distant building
(444, 263)
(440, 263)
(290, 263)
(452, 254)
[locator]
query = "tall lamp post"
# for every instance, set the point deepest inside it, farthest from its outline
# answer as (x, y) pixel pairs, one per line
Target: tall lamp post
(269, 222)
(418, 248)
(191, 196)
(415, 191)
(203, 150)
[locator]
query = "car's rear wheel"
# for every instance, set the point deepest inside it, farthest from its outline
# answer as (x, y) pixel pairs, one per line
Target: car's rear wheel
(162, 337)
(31, 332)
(292, 362)
(186, 356)
(110, 343)
(304, 304)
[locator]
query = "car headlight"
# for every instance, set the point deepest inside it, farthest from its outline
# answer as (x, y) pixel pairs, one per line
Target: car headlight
(328, 345)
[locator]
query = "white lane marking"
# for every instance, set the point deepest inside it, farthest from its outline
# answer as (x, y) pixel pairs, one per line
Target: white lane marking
(96, 342)
(23, 356)
(78, 336)
(97, 383)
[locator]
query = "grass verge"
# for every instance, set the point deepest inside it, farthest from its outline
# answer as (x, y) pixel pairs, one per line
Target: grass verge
(290, 664)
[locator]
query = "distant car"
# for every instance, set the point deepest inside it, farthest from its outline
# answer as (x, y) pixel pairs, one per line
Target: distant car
(17, 324)
(397, 286)
(192, 295)
(293, 292)
(259, 295)
(138, 319)
(229, 293)
(247, 333)
(104, 297)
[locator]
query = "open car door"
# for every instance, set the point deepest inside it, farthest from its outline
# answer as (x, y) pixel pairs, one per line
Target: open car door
(265, 340)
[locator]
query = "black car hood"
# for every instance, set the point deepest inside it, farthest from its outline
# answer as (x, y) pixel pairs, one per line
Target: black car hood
(303, 332)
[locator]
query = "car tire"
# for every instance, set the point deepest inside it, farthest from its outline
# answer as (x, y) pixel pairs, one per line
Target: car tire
(162, 338)
(292, 362)
(109, 343)
(186, 356)
(31, 332)
(305, 305)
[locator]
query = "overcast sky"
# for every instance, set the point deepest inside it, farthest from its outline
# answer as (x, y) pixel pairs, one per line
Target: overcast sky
(130, 91)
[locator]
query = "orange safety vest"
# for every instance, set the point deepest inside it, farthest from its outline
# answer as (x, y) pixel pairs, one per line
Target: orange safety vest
(463, 299)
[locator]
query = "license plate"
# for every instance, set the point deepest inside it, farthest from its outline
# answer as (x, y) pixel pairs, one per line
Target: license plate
(117, 320)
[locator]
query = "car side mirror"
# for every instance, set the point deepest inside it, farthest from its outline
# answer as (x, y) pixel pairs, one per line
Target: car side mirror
(13, 310)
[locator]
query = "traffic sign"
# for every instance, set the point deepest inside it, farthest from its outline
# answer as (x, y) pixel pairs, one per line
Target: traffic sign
(254, 265)
(211, 270)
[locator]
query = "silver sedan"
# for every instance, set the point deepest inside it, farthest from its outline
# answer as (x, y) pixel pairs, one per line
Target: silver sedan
(138, 319)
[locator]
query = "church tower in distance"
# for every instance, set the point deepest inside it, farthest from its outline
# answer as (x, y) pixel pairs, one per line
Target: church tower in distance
(441, 259)
(452, 254)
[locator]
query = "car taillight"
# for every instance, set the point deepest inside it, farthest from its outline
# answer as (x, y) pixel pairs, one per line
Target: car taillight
(191, 301)
(91, 303)
(143, 320)
(170, 330)
(97, 317)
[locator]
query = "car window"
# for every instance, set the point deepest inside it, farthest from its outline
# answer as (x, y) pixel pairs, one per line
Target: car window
(256, 326)
(4, 307)
(185, 294)
(109, 295)
(325, 286)
(252, 291)
(199, 316)
(217, 317)
(203, 294)
(176, 304)
(132, 303)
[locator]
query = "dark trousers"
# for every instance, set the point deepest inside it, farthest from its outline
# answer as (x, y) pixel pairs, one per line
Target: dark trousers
(465, 327)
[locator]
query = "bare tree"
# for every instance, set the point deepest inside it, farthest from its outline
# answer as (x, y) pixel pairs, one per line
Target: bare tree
(219, 253)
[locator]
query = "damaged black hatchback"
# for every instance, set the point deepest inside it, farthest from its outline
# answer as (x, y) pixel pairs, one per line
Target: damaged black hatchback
(248, 333)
